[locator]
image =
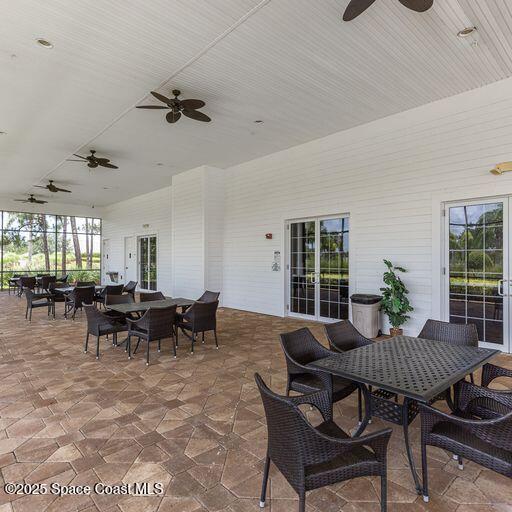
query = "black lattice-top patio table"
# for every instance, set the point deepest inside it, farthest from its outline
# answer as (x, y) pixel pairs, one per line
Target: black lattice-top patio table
(412, 367)
(140, 307)
(419, 370)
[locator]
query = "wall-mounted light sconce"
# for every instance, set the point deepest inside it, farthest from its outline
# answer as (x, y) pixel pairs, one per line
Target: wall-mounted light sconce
(145, 226)
(501, 168)
(268, 236)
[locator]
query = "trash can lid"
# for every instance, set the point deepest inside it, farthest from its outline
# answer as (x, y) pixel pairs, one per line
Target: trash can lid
(365, 298)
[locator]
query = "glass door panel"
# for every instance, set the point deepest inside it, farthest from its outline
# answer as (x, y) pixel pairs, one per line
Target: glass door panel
(478, 269)
(147, 262)
(318, 268)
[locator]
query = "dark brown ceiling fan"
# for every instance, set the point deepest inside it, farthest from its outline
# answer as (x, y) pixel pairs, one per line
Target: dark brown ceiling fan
(31, 199)
(52, 188)
(93, 161)
(357, 7)
(177, 107)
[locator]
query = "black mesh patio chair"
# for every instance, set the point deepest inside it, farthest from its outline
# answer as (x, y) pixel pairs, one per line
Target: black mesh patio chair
(85, 283)
(56, 295)
(13, 283)
(130, 288)
(201, 317)
(312, 457)
(99, 324)
(209, 296)
(118, 299)
(454, 334)
(300, 348)
(110, 289)
(45, 281)
(149, 296)
(38, 300)
(77, 298)
(155, 325)
(467, 432)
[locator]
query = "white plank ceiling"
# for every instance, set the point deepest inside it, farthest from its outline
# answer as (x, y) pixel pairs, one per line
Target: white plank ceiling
(291, 63)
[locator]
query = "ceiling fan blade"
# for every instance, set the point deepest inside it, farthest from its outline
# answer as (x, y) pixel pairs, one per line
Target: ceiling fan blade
(110, 166)
(192, 104)
(22, 201)
(72, 160)
(39, 201)
(151, 106)
(57, 189)
(417, 5)
(172, 116)
(160, 97)
(104, 160)
(198, 116)
(355, 8)
(80, 156)
(40, 186)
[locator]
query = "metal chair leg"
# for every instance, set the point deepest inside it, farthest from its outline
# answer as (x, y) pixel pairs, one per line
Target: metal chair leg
(147, 353)
(159, 345)
(302, 502)
(192, 342)
(136, 346)
(216, 340)
(359, 405)
(97, 347)
(383, 493)
(424, 470)
(86, 343)
(129, 346)
(202, 341)
(265, 481)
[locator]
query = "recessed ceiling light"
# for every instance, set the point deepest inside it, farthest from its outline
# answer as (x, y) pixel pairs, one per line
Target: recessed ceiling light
(258, 121)
(3, 133)
(44, 43)
(466, 32)
(159, 164)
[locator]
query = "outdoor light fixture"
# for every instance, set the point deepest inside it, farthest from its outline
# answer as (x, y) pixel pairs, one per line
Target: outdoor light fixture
(501, 168)
(44, 43)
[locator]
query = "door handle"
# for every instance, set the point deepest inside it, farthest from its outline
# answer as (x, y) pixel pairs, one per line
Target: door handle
(501, 282)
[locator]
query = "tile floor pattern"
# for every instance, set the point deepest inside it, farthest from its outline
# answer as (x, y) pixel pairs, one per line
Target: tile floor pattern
(194, 424)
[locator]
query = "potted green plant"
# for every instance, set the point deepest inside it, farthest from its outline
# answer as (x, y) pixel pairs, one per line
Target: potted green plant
(395, 302)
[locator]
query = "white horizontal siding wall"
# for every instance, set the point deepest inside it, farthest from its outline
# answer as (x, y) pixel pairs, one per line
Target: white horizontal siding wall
(127, 218)
(390, 176)
(188, 233)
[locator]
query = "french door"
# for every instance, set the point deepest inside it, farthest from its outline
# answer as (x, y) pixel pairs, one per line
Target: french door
(478, 281)
(318, 270)
(147, 262)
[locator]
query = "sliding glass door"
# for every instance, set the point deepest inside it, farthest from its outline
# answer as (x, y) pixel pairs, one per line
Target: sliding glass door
(147, 262)
(478, 261)
(318, 270)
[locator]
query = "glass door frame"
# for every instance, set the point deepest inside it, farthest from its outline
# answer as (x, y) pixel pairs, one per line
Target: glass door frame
(507, 285)
(139, 267)
(317, 220)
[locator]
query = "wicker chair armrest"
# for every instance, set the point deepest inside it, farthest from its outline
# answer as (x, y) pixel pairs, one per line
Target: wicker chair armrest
(467, 392)
(491, 372)
(142, 322)
(320, 399)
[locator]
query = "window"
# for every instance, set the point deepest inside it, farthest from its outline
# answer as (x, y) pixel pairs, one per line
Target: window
(34, 243)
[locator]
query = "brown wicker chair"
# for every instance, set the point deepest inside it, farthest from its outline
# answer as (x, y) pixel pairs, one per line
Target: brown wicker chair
(77, 298)
(118, 299)
(99, 324)
(13, 283)
(468, 432)
(110, 289)
(454, 334)
(38, 300)
(26, 283)
(130, 288)
(313, 457)
(45, 281)
(155, 324)
(300, 348)
(85, 283)
(201, 317)
(149, 296)
(343, 336)
(209, 296)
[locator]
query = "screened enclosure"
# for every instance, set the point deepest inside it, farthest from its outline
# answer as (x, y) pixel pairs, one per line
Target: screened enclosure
(34, 243)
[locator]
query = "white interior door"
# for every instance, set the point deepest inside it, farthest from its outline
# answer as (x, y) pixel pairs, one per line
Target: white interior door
(318, 268)
(477, 268)
(130, 259)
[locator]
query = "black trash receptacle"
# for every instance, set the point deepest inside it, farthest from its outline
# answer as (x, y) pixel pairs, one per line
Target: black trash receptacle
(365, 313)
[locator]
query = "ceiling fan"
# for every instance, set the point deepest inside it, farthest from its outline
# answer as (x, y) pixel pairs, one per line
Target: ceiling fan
(31, 199)
(177, 107)
(357, 7)
(52, 188)
(93, 161)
